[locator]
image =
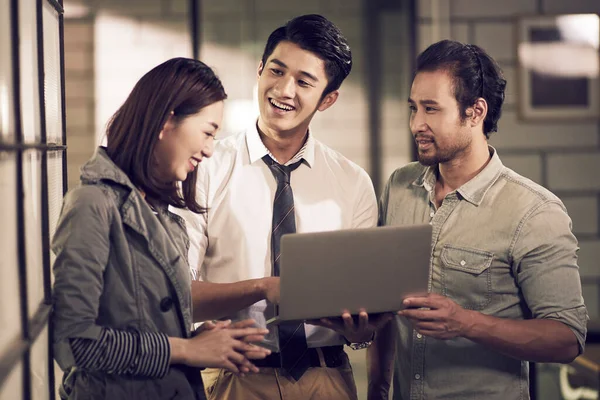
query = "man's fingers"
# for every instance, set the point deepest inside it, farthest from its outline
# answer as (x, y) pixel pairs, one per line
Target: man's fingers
(419, 315)
(363, 320)
(348, 321)
(433, 301)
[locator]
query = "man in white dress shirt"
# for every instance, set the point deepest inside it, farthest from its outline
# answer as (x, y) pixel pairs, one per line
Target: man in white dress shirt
(302, 68)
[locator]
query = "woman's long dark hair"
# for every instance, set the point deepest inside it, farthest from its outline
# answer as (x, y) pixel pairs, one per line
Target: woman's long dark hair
(181, 85)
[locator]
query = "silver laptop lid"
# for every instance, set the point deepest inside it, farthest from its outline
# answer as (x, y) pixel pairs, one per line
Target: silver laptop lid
(325, 273)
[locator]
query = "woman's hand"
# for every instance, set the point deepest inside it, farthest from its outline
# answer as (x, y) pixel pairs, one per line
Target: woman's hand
(221, 345)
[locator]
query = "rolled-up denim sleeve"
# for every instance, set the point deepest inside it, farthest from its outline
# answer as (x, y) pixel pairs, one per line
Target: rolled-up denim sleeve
(545, 260)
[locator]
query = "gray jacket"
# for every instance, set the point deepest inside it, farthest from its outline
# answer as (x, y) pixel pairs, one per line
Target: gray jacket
(119, 266)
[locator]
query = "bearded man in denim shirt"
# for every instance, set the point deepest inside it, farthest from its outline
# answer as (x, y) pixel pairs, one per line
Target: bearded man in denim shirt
(504, 283)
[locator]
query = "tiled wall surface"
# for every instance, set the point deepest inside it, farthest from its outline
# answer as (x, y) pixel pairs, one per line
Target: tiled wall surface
(562, 156)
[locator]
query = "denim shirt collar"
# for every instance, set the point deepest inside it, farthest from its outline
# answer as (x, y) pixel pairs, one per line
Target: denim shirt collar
(474, 190)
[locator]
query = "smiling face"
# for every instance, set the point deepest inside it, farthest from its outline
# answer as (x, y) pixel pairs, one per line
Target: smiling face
(435, 121)
(290, 87)
(182, 145)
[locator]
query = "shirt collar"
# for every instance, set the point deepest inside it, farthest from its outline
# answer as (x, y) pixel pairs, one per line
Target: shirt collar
(257, 149)
(474, 190)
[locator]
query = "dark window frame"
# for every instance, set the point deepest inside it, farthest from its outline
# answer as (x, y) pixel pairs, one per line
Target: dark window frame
(32, 328)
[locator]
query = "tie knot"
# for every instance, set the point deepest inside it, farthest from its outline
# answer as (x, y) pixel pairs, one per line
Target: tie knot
(281, 173)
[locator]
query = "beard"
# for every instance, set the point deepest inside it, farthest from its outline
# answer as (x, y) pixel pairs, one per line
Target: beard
(436, 155)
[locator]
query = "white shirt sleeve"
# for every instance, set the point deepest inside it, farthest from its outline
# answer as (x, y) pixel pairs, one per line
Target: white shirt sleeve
(196, 225)
(196, 228)
(365, 206)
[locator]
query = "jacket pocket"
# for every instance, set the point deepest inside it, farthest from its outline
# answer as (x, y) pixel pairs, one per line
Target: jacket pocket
(467, 276)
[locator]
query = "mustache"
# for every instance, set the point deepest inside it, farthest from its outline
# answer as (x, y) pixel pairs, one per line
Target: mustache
(421, 136)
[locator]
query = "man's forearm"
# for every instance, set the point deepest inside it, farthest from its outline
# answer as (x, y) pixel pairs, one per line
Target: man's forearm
(218, 300)
(380, 362)
(538, 340)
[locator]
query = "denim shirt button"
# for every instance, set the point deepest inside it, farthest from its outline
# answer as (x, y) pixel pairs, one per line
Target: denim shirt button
(463, 262)
(419, 336)
(166, 304)
(417, 376)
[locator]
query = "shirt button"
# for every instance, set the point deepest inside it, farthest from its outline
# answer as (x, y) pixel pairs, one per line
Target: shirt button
(417, 376)
(166, 304)
(419, 336)
(431, 214)
(463, 262)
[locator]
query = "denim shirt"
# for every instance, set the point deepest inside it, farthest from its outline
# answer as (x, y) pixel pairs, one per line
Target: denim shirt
(501, 245)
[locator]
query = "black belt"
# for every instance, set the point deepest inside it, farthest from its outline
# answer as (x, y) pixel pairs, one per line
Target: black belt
(334, 357)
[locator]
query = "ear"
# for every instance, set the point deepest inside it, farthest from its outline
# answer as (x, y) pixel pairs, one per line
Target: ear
(328, 100)
(167, 127)
(479, 112)
(260, 69)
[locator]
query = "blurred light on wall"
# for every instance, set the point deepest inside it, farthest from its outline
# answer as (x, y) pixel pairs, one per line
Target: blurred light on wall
(239, 113)
(574, 55)
(126, 48)
(75, 9)
(580, 28)
(4, 110)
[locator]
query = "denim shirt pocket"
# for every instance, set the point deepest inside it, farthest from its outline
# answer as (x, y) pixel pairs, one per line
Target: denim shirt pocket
(467, 276)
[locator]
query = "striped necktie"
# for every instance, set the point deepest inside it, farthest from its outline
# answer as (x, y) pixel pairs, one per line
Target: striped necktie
(292, 337)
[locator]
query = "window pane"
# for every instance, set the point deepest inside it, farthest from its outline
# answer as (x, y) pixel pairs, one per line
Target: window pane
(7, 133)
(28, 68)
(32, 200)
(10, 315)
(55, 192)
(40, 384)
(52, 74)
(12, 389)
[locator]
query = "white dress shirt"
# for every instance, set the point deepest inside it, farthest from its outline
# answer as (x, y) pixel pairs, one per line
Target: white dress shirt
(232, 241)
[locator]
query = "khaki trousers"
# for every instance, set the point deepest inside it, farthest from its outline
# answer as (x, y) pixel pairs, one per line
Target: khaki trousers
(318, 383)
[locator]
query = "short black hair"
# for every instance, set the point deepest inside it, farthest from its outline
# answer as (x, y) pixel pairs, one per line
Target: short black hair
(179, 87)
(318, 35)
(475, 74)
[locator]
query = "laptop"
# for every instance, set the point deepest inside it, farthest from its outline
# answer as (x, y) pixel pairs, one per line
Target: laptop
(325, 273)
